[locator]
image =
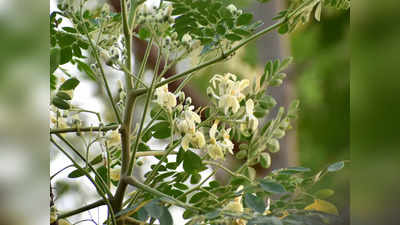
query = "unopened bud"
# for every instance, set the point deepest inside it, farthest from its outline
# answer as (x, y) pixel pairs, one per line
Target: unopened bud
(273, 145)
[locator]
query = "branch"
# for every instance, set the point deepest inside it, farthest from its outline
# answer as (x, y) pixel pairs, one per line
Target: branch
(128, 43)
(226, 169)
(217, 59)
(83, 209)
(83, 129)
(134, 182)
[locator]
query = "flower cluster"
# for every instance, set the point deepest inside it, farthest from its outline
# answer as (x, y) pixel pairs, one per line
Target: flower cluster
(232, 9)
(159, 20)
(186, 124)
(165, 99)
(228, 91)
(154, 15)
(219, 142)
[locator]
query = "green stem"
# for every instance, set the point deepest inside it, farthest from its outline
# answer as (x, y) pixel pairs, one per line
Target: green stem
(144, 61)
(58, 172)
(134, 182)
(82, 209)
(146, 106)
(83, 129)
(225, 169)
(126, 147)
(128, 43)
(197, 186)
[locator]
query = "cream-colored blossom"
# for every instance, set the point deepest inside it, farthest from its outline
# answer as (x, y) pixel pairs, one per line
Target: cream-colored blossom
(235, 205)
(226, 142)
(229, 90)
(187, 39)
(165, 98)
(113, 138)
(229, 102)
(215, 151)
(115, 173)
(232, 8)
(196, 139)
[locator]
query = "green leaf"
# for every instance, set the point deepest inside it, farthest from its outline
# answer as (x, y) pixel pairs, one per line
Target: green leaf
(221, 29)
(63, 95)
(144, 33)
(96, 160)
(85, 68)
(254, 202)
(267, 102)
(161, 116)
(244, 19)
(76, 173)
(283, 29)
(192, 162)
(241, 32)
(264, 220)
(69, 29)
(156, 210)
(198, 196)
(161, 130)
(53, 82)
(66, 55)
(195, 178)
(336, 166)
(55, 59)
(271, 186)
(60, 103)
(65, 40)
(181, 186)
(324, 193)
(285, 63)
(69, 84)
(233, 37)
(147, 136)
(77, 51)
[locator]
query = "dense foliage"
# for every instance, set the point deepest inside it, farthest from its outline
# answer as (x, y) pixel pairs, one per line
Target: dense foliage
(199, 138)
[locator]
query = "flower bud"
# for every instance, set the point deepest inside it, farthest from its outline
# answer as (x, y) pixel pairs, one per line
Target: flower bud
(273, 145)
(278, 133)
(115, 173)
(232, 8)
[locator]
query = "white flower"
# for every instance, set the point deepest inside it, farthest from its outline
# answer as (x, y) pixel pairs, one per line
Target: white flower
(235, 205)
(186, 38)
(197, 140)
(115, 173)
(165, 98)
(113, 138)
(215, 151)
(232, 8)
(227, 143)
(187, 122)
(253, 121)
(213, 131)
(229, 102)
(249, 107)
(229, 91)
